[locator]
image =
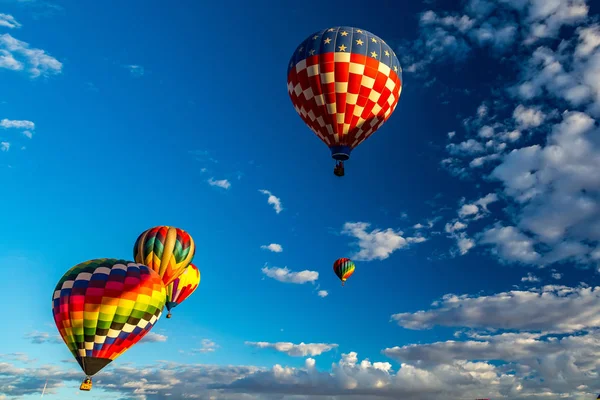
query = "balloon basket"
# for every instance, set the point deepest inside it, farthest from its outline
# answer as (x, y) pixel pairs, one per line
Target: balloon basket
(86, 384)
(169, 315)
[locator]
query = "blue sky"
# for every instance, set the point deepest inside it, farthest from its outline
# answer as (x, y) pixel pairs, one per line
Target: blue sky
(473, 214)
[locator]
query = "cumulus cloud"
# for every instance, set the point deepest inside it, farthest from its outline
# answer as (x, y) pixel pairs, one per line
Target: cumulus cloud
(295, 350)
(285, 275)
(556, 275)
(273, 200)
(4, 146)
(206, 346)
(550, 309)
(528, 117)
(18, 55)
(274, 247)
(530, 278)
(322, 293)
(377, 244)
(222, 183)
(538, 368)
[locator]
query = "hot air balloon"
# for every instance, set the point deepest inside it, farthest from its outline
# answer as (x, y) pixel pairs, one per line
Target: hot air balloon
(165, 249)
(344, 83)
(103, 307)
(343, 268)
(182, 287)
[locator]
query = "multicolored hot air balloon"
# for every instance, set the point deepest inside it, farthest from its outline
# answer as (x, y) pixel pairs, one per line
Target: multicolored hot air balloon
(103, 307)
(165, 249)
(344, 83)
(343, 268)
(182, 287)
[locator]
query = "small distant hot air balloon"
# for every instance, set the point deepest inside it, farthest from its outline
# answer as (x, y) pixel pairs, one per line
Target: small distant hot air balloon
(182, 287)
(343, 268)
(103, 307)
(165, 249)
(344, 83)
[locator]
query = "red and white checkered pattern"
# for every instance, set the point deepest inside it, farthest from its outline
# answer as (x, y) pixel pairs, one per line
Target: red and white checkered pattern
(343, 97)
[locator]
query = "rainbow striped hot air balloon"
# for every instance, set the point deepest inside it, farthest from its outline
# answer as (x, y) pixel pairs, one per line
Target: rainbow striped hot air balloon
(343, 268)
(103, 307)
(182, 287)
(165, 249)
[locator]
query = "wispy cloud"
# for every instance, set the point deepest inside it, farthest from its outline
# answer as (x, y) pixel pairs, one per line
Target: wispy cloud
(287, 276)
(222, 183)
(18, 124)
(8, 21)
(530, 278)
(18, 55)
(322, 293)
(274, 247)
(152, 337)
(136, 71)
(43, 337)
(206, 346)
(273, 200)
(4, 146)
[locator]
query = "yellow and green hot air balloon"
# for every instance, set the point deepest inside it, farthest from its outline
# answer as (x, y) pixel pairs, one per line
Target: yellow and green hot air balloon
(182, 287)
(165, 249)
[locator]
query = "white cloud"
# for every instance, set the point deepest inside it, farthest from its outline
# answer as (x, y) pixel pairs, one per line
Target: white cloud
(152, 337)
(377, 244)
(468, 210)
(15, 53)
(451, 134)
(17, 124)
(556, 275)
(274, 247)
(530, 278)
(322, 293)
(287, 276)
(8, 21)
(273, 200)
(467, 147)
(464, 244)
(453, 227)
(539, 369)
(511, 244)
(296, 350)
(206, 346)
(550, 309)
(528, 117)
(223, 183)
(4, 146)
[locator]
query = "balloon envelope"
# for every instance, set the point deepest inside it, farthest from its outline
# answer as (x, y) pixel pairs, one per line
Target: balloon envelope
(183, 287)
(103, 307)
(344, 83)
(343, 268)
(165, 249)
